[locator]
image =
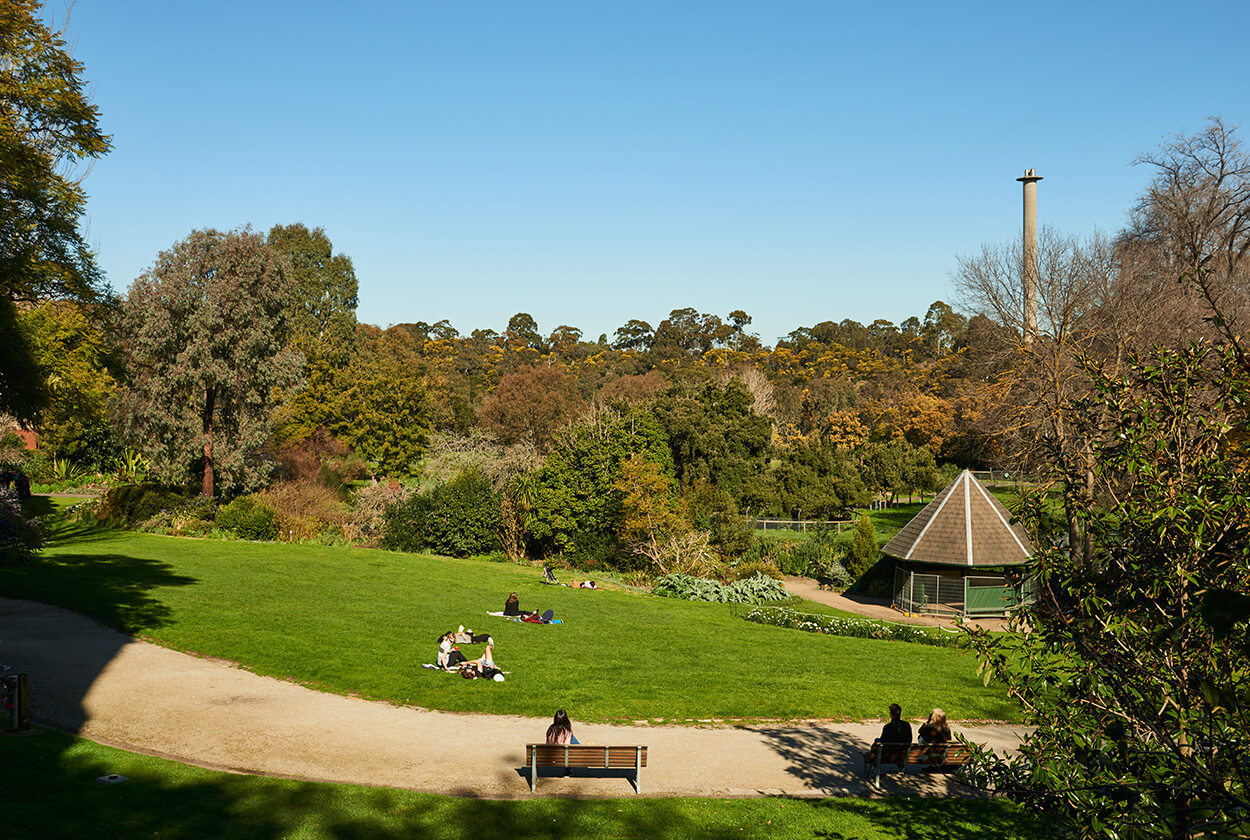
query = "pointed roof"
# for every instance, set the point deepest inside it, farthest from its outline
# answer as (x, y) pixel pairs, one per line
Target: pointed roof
(963, 526)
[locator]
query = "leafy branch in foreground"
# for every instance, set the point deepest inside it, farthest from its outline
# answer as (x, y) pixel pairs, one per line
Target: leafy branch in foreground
(1132, 667)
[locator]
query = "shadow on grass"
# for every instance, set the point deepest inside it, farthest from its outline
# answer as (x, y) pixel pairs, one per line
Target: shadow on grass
(43, 773)
(115, 589)
(937, 819)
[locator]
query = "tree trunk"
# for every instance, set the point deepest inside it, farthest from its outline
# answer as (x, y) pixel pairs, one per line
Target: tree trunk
(206, 488)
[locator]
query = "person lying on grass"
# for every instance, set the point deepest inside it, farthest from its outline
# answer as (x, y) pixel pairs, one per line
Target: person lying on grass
(483, 666)
(468, 637)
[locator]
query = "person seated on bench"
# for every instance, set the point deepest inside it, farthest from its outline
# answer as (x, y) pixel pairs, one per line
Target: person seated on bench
(897, 731)
(934, 730)
(449, 656)
(512, 606)
(561, 730)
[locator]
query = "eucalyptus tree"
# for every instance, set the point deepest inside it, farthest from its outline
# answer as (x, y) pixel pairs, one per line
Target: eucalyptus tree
(205, 331)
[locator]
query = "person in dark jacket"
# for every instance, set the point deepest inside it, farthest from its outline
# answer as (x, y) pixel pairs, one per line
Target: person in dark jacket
(897, 731)
(512, 606)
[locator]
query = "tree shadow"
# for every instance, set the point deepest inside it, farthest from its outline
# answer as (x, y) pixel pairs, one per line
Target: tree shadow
(43, 773)
(938, 819)
(62, 648)
(828, 761)
(115, 589)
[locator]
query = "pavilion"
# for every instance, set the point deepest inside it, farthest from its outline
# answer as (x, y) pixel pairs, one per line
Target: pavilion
(952, 557)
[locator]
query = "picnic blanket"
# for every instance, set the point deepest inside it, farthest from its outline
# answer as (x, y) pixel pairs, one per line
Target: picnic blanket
(522, 620)
(435, 667)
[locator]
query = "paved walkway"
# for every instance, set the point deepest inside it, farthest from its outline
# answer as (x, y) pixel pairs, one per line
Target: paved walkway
(145, 698)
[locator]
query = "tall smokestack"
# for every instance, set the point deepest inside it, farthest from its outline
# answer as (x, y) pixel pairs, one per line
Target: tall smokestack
(1029, 269)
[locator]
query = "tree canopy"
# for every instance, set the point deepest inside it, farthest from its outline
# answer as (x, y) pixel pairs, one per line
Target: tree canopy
(47, 126)
(206, 332)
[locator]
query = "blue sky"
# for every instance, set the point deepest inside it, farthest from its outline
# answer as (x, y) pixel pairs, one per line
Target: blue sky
(592, 162)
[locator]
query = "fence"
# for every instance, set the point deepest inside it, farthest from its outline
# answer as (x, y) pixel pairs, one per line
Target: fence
(971, 595)
(801, 525)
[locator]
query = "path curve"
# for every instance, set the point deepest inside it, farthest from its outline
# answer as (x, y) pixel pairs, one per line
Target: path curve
(110, 688)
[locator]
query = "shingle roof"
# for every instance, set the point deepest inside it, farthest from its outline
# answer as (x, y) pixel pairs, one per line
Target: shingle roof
(963, 526)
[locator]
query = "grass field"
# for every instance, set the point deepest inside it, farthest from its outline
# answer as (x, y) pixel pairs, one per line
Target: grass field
(51, 792)
(357, 621)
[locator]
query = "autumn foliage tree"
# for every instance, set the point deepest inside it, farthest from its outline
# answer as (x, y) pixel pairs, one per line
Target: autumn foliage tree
(205, 331)
(531, 404)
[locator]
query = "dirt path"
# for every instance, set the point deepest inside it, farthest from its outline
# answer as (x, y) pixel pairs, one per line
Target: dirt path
(874, 607)
(145, 698)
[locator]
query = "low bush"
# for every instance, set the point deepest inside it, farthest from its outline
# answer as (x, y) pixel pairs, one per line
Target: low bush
(688, 588)
(458, 518)
(746, 569)
(127, 507)
(756, 589)
(366, 523)
(304, 508)
(20, 535)
(859, 628)
(193, 517)
(248, 519)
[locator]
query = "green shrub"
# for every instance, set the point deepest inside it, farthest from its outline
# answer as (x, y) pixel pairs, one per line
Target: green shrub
(458, 518)
(248, 519)
(864, 551)
(752, 590)
(127, 507)
(20, 535)
(688, 588)
(38, 466)
(192, 517)
(757, 589)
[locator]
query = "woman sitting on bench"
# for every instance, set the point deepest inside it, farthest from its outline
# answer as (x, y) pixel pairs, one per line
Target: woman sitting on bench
(561, 730)
(934, 730)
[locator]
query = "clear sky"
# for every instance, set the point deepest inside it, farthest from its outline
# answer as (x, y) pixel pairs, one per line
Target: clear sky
(589, 162)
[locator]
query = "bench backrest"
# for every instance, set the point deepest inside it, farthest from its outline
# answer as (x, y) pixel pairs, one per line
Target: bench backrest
(586, 755)
(949, 753)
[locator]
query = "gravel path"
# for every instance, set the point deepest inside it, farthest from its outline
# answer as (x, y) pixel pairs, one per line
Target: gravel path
(145, 698)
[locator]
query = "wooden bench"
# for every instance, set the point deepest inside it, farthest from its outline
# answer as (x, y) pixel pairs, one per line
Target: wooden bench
(949, 755)
(590, 756)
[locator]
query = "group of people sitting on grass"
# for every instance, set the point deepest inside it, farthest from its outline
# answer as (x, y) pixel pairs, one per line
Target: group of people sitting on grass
(450, 657)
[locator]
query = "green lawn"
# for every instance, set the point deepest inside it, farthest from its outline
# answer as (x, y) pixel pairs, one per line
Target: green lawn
(357, 621)
(50, 791)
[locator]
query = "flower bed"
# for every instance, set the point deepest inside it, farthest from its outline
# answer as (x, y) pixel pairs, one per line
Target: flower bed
(859, 628)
